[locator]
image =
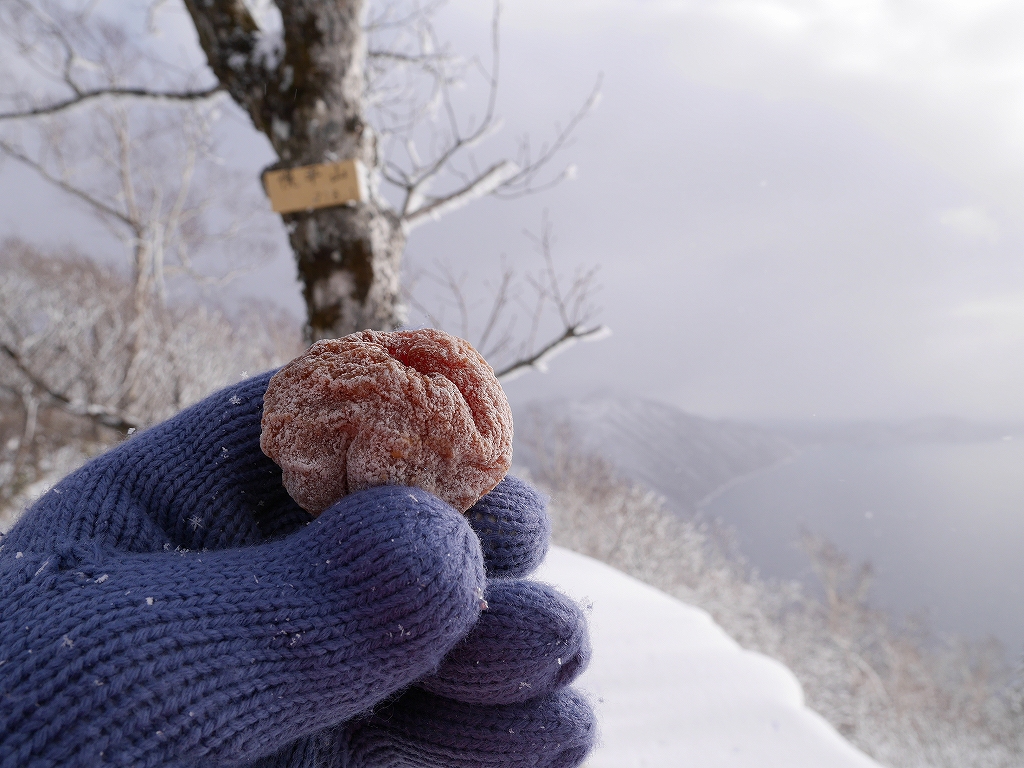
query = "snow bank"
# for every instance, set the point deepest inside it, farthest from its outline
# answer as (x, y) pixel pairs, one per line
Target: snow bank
(672, 689)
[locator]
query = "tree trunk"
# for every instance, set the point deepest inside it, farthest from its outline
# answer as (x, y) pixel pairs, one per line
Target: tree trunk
(304, 91)
(349, 260)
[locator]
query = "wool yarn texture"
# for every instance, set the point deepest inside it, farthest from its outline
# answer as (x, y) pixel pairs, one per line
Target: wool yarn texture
(169, 604)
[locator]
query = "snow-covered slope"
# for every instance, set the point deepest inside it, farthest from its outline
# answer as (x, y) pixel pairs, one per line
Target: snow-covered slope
(673, 690)
(679, 455)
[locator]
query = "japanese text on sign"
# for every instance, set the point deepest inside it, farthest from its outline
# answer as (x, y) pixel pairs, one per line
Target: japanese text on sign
(315, 186)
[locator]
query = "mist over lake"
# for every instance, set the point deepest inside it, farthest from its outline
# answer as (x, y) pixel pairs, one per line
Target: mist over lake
(935, 505)
(941, 523)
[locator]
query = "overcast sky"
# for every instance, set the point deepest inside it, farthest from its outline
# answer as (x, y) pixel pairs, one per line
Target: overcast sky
(800, 208)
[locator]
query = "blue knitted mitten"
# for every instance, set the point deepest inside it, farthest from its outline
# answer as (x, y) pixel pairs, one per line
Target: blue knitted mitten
(169, 604)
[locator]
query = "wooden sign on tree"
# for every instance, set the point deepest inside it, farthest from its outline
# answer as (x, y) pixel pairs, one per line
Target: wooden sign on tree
(315, 186)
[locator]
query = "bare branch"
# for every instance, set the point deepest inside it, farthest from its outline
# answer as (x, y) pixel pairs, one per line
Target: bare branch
(102, 415)
(496, 339)
(86, 96)
(483, 185)
(421, 177)
(522, 183)
(539, 360)
(381, 21)
(497, 308)
(452, 159)
(405, 58)
(71, 189)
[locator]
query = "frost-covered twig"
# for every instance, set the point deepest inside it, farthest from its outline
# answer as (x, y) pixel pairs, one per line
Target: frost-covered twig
(452, 148)
(87, 96)
(101, 414)
(539, 360)
(481, 186)
(497, 340)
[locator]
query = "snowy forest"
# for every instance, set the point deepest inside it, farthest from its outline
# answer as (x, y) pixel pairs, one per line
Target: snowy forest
(128, 117)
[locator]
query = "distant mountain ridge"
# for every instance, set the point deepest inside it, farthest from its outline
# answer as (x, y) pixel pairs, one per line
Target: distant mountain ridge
(683, 457)
(688, 458)
(931, 429)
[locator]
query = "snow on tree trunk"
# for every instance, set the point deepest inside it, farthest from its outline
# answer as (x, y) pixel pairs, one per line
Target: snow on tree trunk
(349, 260)
(298, 71)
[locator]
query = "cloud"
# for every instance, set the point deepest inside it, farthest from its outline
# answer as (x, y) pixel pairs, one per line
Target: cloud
(971, 221)
(943, 78)
(1000, 318)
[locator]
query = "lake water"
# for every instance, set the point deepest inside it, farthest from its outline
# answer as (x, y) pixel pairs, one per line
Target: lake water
(942, 524)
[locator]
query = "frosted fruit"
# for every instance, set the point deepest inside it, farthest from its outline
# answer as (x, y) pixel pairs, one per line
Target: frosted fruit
(416, 408)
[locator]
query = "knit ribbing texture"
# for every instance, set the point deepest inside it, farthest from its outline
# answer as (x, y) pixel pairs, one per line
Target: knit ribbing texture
(513, 528)
(169, 604)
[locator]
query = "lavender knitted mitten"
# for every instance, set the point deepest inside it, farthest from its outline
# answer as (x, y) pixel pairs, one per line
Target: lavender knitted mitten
(169, 604)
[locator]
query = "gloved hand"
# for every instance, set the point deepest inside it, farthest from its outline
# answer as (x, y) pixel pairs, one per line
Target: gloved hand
(169, 604)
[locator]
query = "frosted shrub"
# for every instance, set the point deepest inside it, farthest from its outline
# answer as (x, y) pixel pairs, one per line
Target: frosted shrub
(81, 362)
(906, 698)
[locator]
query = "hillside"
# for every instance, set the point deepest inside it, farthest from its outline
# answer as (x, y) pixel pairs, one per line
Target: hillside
(683, 457)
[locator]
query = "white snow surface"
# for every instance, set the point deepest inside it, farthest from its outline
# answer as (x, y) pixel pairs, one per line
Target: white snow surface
(672, 689)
